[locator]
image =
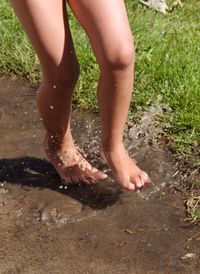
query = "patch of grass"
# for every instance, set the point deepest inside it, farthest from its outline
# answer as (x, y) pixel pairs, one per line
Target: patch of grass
(193, 203)
(167, 64)
(16, 55)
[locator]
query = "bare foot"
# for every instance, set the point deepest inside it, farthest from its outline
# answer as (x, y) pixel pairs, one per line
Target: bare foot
(69, 163)
(126, 173)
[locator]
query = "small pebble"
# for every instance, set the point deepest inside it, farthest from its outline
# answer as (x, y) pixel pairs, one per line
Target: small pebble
(3, 191)
(188, 256)
(54, 213)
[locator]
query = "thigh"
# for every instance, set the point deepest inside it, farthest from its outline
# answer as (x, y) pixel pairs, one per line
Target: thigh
(106, 24)
(46, 25)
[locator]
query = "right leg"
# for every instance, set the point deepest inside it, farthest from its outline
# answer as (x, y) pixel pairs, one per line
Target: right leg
(47, 26)
(106, 23)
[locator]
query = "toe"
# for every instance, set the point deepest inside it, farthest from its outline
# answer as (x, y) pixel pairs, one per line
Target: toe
(71, 177)
(137, 181)
(144, 176)
(126, 183)
(130, 187)
(98, 175)
(66, 180)
(84, 179)
(75, 179)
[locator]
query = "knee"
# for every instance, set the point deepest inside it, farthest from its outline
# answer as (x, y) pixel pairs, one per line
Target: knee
(67, 76)
(121, 58)
(63, 76)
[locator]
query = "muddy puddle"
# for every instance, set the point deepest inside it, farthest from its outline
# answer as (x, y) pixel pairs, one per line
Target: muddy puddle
(47, 227)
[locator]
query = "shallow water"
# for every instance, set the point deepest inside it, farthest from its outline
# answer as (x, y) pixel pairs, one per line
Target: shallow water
(47, 227)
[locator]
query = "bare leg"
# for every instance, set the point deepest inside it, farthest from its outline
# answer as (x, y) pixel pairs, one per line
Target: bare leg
(46, 24)
(107, 26)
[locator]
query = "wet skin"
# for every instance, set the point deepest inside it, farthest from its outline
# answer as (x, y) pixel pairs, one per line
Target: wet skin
(73, 168)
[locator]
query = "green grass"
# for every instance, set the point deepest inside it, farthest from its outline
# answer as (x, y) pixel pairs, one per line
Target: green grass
(167, 63)
(16, 54)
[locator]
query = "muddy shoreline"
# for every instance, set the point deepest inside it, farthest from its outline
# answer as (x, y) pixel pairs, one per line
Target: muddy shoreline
(46, 227)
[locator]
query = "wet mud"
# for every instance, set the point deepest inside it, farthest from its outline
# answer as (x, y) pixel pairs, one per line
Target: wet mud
(47, 227)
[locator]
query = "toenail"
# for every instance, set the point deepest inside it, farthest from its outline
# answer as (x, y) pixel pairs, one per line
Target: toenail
(105, 176)
(131, 187)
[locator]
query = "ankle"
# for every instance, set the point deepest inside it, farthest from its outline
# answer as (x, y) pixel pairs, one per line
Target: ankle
(108, 148)
(55, 141)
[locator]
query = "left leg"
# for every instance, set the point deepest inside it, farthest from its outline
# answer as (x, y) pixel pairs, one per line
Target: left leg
(46, 24)
(107, 26)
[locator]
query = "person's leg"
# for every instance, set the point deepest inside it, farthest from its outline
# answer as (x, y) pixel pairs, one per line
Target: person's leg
(107, 27)
(46, 25)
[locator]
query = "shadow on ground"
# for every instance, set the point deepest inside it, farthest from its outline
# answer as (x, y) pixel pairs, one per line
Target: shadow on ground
(38, 173)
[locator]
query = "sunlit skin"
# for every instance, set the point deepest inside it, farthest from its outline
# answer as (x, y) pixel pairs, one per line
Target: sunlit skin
(46, 24)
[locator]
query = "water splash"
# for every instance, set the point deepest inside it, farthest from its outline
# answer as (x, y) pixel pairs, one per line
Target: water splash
(148, 128)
